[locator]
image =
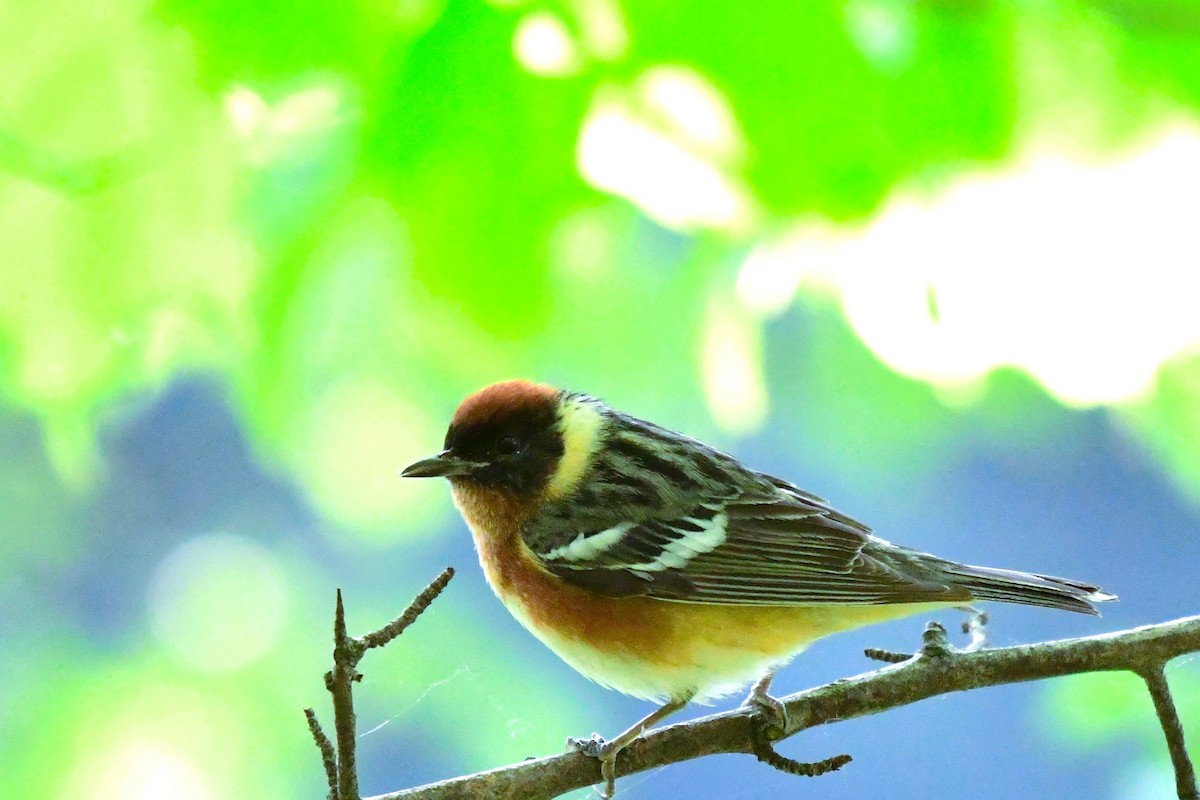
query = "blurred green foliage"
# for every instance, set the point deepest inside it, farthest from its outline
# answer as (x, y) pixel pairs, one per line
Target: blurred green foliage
(1091, 711)
(354, 213)
(272, 189)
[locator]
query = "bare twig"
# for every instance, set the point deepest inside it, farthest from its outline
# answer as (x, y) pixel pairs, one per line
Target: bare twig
(764, 752)
(886, 656)
(328, 756)
(417, 607)
(342, 770)
(936, 670)
(340, 683)
(1168, 717)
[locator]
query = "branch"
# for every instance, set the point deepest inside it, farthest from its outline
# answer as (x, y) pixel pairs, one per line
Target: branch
(328, 756)
(1168, 717)
(340, 768)
(937, 669)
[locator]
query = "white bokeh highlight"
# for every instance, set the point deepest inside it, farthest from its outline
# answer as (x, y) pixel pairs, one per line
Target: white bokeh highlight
(544, 46)
(145, 770)
(269, 132)
(1084, 275)
(218, 602)
(731, 368)
(670, 145)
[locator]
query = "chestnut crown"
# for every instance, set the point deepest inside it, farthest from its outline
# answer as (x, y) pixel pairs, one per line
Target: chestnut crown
(504, 436)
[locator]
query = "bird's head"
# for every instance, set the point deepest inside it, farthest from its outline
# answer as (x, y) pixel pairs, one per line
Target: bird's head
(518, 436)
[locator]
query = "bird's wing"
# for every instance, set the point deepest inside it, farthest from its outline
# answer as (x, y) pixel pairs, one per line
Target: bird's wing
(773, 545)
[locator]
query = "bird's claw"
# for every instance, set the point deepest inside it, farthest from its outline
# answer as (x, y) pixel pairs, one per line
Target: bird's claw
(605, 752)
(771, 708)
(975, 626)
(590, 746)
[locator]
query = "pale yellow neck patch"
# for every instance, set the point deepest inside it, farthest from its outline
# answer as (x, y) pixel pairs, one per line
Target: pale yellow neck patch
(581, 424)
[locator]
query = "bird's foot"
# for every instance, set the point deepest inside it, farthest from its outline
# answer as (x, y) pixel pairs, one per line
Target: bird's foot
(936, 643)
(975, 626)
(589, 746)
(770, 707)
(605, 751)
(774, 712)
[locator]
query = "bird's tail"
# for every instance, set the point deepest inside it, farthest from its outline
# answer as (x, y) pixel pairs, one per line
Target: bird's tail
(1025, 588)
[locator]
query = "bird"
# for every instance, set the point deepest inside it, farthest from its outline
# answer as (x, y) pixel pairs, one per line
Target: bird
(668, 570)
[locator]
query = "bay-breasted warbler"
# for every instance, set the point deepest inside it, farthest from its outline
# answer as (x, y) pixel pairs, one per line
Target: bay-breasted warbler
(663, 568)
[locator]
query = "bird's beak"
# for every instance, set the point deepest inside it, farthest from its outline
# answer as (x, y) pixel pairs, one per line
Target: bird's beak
(444, 465)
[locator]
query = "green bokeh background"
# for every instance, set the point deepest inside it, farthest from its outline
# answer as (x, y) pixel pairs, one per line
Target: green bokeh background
(253, 254)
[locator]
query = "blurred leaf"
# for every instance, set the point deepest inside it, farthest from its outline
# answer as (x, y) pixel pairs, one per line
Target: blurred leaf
(108, 291)
(831, 130)
(845, 406)
(1088, 711)
(1169, 421)
(479, 161)
(271, 42)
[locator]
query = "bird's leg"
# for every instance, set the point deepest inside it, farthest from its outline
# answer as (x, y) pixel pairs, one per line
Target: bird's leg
(765, 703)
(606, 750)
(975, 626)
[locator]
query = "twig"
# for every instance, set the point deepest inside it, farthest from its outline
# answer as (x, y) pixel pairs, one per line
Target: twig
(415, 609)
(340, 683)
(328, 756)
(886, 656)
(764, 752)
(342, 770)
(936, 670)
(1168, 717)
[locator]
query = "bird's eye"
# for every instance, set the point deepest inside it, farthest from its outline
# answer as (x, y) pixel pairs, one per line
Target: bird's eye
(508, 445)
